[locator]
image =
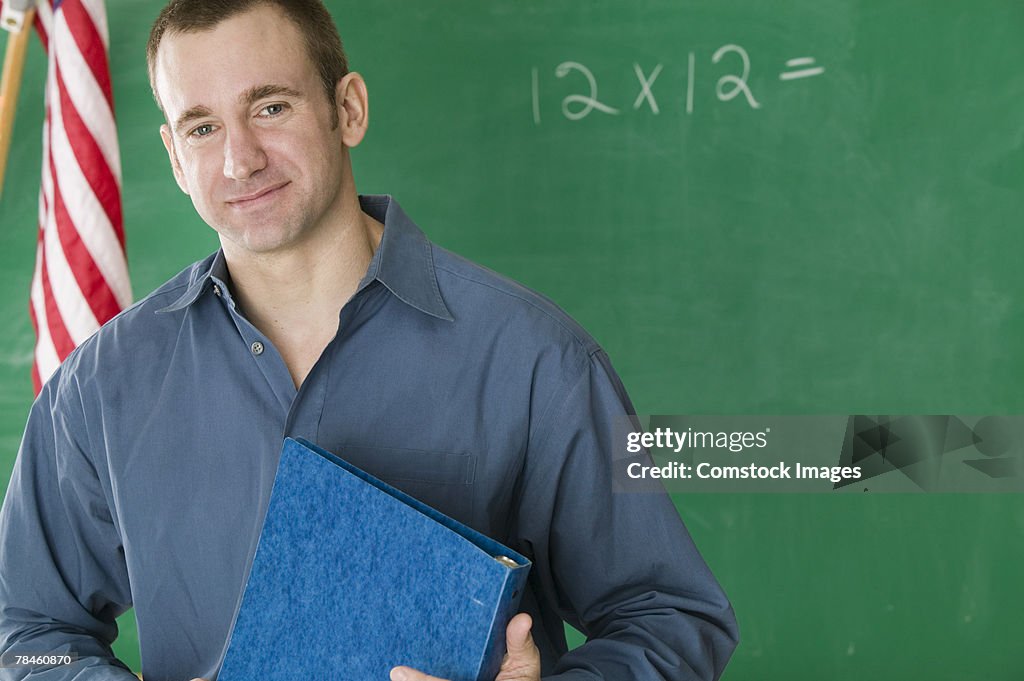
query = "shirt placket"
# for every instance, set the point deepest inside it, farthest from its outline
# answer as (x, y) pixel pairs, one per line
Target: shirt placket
(262, 352)
(308, 408)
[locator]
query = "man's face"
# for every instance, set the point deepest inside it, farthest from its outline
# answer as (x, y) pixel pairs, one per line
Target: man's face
(250, 131)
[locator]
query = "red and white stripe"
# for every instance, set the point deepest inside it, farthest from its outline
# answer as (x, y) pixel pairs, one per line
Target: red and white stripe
(81, 276)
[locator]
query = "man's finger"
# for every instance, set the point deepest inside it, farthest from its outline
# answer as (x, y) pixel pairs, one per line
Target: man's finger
(518, 639)
(410, 674)
(522, 661)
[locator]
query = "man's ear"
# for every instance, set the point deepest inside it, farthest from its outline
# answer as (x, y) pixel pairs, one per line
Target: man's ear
(172, 156)
(353, 108)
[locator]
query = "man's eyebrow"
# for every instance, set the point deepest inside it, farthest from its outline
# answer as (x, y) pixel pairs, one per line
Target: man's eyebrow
(258, 92)
(249, 97)
(190, 115)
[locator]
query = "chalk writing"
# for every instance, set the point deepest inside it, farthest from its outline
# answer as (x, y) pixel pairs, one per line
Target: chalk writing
(728, 86)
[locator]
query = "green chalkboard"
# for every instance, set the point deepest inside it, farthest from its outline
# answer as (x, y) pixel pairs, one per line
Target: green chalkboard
(756, 207)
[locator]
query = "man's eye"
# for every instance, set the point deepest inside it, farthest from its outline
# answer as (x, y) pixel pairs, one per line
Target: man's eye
(273, 109)
(202, 131)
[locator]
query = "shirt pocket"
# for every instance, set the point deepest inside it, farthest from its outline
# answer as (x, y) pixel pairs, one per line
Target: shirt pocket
(442, 480)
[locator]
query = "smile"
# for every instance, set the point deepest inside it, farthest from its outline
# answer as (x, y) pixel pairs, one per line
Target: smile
(257, 198)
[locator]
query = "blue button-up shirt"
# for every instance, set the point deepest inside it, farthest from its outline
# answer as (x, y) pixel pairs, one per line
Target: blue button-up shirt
(148, 461)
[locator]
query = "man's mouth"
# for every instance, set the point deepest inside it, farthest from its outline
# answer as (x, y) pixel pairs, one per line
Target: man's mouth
(256, 197)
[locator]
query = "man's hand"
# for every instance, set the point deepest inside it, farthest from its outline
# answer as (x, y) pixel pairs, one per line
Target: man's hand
(521, 663)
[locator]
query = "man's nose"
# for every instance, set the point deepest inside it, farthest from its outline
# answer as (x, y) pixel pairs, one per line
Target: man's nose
(243, 154)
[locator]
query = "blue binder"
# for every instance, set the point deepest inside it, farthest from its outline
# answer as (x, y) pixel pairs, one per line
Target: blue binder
(353, 577)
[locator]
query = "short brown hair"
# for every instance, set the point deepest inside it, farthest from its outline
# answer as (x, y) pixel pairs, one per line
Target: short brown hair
(323, 44)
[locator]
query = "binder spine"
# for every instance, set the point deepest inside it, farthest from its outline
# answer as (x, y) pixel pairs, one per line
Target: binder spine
(507, 607)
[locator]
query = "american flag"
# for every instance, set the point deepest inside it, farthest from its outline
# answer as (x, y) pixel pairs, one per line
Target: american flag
(81, 275)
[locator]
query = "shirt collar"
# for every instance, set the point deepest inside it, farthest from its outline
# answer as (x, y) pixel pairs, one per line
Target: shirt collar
(404, 263)
(207, 273)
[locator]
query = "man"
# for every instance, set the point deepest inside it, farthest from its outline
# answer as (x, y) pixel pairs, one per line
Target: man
(148, 459)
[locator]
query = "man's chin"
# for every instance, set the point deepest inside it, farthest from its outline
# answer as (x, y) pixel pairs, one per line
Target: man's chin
(257, 241)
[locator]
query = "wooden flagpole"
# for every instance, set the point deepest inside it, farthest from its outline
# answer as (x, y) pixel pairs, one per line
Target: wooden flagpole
(10, 83)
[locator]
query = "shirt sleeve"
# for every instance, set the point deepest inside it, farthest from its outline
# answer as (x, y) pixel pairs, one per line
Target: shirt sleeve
(620, 567)
(63, 578)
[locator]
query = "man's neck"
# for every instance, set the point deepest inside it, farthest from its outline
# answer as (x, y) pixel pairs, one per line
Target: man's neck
(295, 297)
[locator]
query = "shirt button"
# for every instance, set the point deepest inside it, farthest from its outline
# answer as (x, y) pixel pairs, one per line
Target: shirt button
(257, 348)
